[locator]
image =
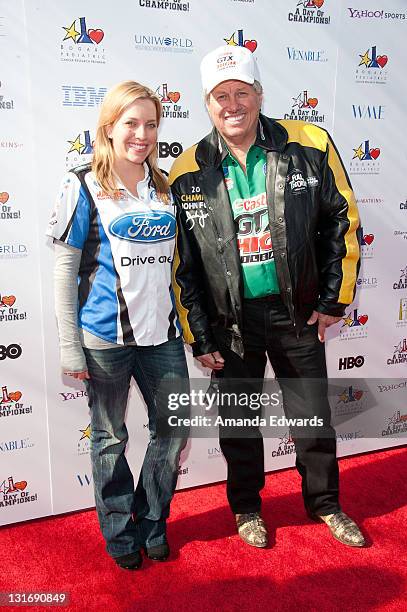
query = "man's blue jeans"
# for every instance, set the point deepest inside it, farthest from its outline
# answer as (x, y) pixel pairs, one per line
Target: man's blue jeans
(116, 500)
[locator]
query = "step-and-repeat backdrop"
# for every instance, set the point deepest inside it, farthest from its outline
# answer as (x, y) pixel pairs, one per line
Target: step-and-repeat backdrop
(333, 63)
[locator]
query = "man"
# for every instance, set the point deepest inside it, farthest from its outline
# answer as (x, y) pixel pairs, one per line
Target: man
(267, 258)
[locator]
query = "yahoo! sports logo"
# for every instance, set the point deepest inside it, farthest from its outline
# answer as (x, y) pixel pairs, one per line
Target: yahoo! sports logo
(250, 44)
(144, 227)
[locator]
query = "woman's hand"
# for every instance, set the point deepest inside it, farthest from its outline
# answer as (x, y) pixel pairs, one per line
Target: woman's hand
(79, 375)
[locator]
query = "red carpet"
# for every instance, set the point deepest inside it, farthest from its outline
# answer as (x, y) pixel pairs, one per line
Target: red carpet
(304, 569)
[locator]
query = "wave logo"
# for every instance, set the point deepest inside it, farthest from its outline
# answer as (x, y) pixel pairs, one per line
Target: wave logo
(144, 227)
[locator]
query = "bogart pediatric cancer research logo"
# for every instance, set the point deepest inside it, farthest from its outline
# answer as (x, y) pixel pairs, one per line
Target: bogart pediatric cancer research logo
(11, 403)
(396, 424)
(169, 101)
(367, 247)
(354, 325)
(365, 159)
(240, 41)
(8, 212)
(79, 150)
(309, 11)
(349, 402)
(83, 447)
(304, 107)
(163, 43)
(81, 44)
(8, 310)
(372, 67)
(13, 492)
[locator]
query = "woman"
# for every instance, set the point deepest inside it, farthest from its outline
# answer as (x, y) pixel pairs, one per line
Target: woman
(114, 231)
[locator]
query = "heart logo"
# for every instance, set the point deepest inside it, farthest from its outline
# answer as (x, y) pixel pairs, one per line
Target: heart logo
(363, 319)
(174, 96)
(312, 102)
(358, 394)
(368, 238)
(20, 485)
(8, 300)
(382, 60)
(251, 45)
(318, 3)
(96, 35)
(374, 153)
(4, 197)
(15, 395)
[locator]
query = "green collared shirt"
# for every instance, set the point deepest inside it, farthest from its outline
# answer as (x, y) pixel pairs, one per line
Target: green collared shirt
(247, 195)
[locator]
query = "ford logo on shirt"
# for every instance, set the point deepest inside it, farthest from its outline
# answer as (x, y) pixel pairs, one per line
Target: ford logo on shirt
(144, 227)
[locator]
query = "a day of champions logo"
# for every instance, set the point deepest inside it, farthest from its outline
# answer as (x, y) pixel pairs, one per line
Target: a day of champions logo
(402, 313)
(349, 402)
(12, 404)
(372, 67)
(80, 148)
(304, 107)
(354, 325)
(8, 212)
(396, 424)
(165, 5)
(83, 447)
(365, 159)
(309, 11)
(15, 492)
(400, 353)
(8, 311)
(367, 247)
(402, 283)
(81, 44)
(285, 446)
(237, 39)
(169, 101)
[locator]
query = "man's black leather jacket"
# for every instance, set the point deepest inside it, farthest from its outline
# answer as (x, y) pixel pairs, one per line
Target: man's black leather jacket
(313, 225)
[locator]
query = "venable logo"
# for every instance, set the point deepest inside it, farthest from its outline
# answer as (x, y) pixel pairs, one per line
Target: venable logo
(7, 212)
(11, 403)
(365, 159)
(396, 424)
(169, 101)
(169, 149)
(402, 313)
(80, 149)
(349, 402)
(306, 55)
(250, 44)
(81, 44)
(367, 282)
(8, 311)
(367, 248)
(173, 5)
(10, 446)
(78, 95)
(400, 353)
(84, 441)
(163, 43)
(368, 111)
(13, 493)
(144, 227)
(372, 67)
(309, 11)
(6, 104)
(402, 284)
(304, 107)
(354, 326)
(285, 446)
(348, 363)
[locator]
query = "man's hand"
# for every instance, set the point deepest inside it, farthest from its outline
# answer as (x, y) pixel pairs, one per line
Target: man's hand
(324, 321)
(214, 360)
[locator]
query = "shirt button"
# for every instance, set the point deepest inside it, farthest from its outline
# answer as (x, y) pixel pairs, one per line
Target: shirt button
(281, 185)
(282, 255)
(280, 219)
(284, 157)
(228, 272)
(220, 239)
(210, 208)
(288, 289)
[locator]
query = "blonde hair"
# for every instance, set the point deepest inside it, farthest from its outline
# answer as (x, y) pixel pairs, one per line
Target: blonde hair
(114, 104)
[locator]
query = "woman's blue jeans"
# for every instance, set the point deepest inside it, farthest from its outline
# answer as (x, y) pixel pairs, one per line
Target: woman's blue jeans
(117, 502)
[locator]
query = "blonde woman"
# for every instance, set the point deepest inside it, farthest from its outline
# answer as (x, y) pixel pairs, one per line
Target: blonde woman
(114, 231)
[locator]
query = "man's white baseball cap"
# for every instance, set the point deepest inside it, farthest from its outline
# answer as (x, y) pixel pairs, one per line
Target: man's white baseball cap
(228, 62)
